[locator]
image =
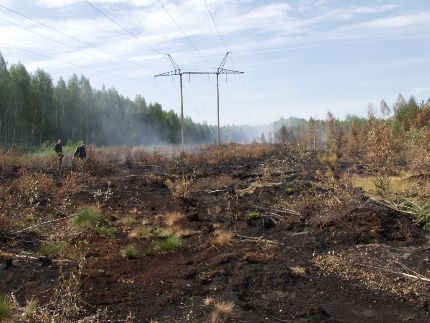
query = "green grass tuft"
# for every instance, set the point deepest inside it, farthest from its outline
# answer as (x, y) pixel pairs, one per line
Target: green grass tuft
(254, 215)
(163, 233)
(130, 252)
(91, 218)
(108, 232)
(5, 308)
(52, 249)
(289, 190)
(169, 244)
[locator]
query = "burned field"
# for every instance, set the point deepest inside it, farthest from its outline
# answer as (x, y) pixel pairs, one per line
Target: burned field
(240, 233)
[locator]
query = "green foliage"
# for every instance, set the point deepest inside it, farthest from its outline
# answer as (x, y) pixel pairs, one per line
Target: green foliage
(405, 115)
(90, 218)
(107, 231)
(289, 190)
(52, 249)
(420, 213)
(254, 215)
(162, 233)
(169, 244)
(130, 251)
(5, 308)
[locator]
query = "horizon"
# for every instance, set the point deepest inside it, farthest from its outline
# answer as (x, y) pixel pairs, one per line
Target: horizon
(340, 57)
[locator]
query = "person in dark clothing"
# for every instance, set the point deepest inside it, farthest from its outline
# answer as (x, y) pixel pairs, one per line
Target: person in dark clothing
(80, 152)
(59, 151)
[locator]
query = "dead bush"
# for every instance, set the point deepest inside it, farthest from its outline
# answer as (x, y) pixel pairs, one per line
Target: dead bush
(331, 159)
(71, 185)
(5, 224)
(172, 218)
(382, 184)
(222, 238)
(34, 187)
(222, 310)
(181, 187)
(263, 254)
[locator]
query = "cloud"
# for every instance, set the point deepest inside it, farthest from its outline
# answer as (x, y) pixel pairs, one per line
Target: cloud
(422, 90)
(399, 21)
(65, 3)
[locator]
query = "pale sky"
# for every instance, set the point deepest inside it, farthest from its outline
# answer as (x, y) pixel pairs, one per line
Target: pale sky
(300, 57)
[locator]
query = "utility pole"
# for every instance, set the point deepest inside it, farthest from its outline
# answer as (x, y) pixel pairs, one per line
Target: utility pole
(178, 71)
(221, 70)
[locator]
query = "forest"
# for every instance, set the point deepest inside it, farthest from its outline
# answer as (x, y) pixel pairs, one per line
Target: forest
(33, 111)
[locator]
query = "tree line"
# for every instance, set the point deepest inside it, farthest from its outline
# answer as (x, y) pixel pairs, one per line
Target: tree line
(33, 111)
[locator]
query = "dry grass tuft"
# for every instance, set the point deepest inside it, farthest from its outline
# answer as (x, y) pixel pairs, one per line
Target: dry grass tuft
(263, 254)
(128, 221)
(222, 238)
(208, 301)
(298, 270)
(172, 218)
(181, 187)
(142, 231)
(222, 311)
(183, 232)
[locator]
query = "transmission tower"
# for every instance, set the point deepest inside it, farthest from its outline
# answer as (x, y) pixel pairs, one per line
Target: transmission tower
(221, 70)
(178, 71)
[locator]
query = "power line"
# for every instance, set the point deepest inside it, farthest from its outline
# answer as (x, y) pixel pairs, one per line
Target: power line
(183, 32)
(128, 32)
(226, 49)
(66, 35)
(215, 25)
(123, 28)
(36, 33)
(66, 62)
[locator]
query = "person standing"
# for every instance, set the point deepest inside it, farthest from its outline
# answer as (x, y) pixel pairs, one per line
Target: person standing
(80, 152)
(59, 151)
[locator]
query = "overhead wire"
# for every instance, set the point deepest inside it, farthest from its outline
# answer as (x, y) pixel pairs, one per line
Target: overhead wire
(185, 35)
(163, 94)
(148, 45)
(68, 36)
(227, 50)
(215, 25)
(123, 28)
(65, 62)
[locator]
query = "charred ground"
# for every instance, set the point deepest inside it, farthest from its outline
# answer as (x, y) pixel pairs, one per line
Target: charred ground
(257, 234)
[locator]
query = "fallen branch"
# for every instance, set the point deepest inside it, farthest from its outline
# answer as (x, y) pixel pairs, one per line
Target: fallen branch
(216, 191)
(417, 276)
(7, 255)
(256, 239)
(41, 224)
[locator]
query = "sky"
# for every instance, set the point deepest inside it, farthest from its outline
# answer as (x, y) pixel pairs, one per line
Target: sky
(300, 58)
